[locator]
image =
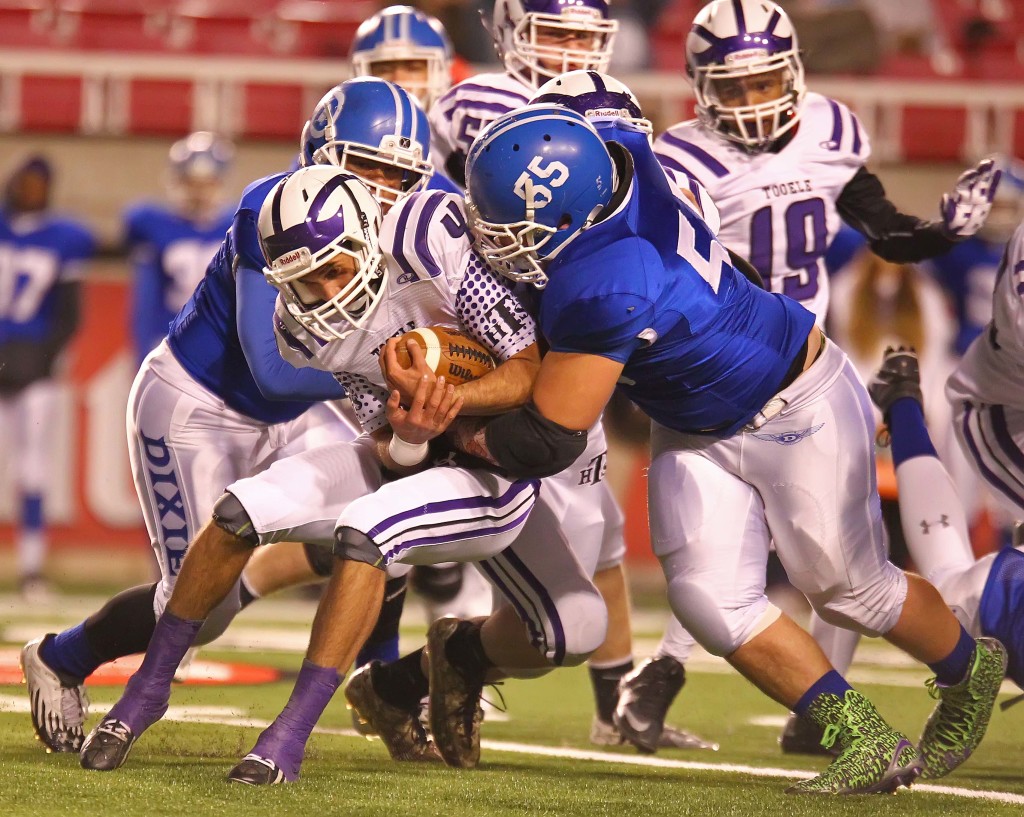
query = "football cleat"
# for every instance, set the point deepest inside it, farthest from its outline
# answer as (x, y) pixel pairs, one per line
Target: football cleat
(253, 770)
(898, 376)
(958, 723)
(455, 711)
(801, 736)
(400, 729)
(645, 695)
(603, 733)
(58, 709)
(873, 757)
(107, 746)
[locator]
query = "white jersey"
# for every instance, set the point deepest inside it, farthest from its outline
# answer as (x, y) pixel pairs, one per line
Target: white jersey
(469, 107)
(435, 279)
(992, 369)
(778, 209)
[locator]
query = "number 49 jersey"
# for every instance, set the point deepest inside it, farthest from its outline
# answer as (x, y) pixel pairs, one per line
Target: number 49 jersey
(434, 279)
(778, 209)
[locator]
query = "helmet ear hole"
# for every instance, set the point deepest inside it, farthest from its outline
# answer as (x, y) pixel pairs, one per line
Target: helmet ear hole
(565, 222)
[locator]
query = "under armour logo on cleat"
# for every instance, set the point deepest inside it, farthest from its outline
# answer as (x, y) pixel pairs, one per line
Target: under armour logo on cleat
(790, 437)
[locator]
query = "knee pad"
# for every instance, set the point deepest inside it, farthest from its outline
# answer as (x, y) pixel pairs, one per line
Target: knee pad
(230, 516)
(321, 559)
(719, 629)
(355, 546)
(585, 628)
(871, 608)
(437, 583)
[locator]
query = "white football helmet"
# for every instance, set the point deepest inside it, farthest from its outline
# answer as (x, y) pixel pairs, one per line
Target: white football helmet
(520, 26)
(731, 40)
(598, 97)
(314, 216)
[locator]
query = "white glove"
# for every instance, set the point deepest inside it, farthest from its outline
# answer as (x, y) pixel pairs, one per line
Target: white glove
(965, 209)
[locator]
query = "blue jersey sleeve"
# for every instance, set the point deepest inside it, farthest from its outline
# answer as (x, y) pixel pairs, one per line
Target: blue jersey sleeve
(149, 314)
(606, 325)
(255, 298)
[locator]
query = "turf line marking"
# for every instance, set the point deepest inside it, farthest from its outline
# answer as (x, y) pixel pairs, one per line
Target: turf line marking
(199, 714)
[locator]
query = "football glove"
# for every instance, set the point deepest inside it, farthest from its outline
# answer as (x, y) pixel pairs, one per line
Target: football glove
(965, 209)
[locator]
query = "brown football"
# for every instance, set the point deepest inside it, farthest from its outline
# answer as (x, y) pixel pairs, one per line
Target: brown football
(450, 353)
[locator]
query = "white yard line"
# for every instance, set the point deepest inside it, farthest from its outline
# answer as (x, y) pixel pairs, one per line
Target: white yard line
(227, 716)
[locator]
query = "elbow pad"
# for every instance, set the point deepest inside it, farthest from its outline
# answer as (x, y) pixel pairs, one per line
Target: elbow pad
(527, 444)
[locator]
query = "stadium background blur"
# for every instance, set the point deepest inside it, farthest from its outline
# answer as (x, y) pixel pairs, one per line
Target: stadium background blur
(103, 87)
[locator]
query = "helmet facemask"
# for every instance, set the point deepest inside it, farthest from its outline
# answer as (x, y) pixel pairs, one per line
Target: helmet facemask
(533, 61)
(754, 126)
(436, 76)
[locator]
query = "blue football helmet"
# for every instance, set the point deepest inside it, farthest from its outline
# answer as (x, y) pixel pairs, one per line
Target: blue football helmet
(599, 97)
(527, 33)
(315, 216)
(200, 156)
(405, 34)
(731, 42)
(371, 120)
(536, 178)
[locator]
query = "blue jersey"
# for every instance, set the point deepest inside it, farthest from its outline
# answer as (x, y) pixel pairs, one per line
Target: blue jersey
(224, 335)
(1002, 609)
(37, 254)
(170, 254)
(968, 275)
(650, 287)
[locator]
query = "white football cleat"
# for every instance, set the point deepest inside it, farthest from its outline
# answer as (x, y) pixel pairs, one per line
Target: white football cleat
(58, 710)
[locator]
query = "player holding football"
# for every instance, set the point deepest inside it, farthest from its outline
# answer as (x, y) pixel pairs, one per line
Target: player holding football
(172, 244)
(747, 398)
(215, 402)
(41, 261)
(785, 165)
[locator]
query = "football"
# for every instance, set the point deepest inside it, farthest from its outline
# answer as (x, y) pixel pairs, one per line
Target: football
(450, 353)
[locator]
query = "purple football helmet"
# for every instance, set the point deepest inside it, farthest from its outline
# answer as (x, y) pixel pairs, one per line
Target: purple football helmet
(540, 39)
(315, 216)
(734, 47)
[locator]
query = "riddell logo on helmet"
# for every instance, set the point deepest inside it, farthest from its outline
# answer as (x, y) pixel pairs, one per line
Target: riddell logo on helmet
(745, 55)
(288, 259)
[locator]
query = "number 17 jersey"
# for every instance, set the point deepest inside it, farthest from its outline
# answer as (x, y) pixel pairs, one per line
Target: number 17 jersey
(778, 209)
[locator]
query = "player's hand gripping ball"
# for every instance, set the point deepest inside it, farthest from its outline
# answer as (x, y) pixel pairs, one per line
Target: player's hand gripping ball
(449, 353)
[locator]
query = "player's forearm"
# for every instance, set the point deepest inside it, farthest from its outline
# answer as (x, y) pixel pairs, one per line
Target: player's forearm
(507, 387)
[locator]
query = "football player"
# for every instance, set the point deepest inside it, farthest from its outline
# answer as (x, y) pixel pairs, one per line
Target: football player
(215, 402)
(984, 594)
(172, 244)
(785, 166)
(987, 388)
(536, 40)
(42, 256)
(746, 395)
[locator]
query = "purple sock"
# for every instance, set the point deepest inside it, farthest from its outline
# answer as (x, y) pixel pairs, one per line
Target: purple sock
(284, 741)
(831, 683)
(69, 655)
(952, 669)
(145, 697)
(908, 431)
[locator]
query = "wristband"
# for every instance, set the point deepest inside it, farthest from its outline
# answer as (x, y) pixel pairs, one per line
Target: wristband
(406, 453)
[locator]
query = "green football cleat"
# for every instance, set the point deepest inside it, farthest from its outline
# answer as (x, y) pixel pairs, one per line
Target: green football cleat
(958, 722)
(873, 757)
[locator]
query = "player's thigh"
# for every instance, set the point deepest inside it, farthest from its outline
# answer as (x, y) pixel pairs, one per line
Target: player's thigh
(299, 498)
(814, 468)
(992, 438)
(35, 408)
(708, 529)
(321, 424)
(183, 453)
(541, 577)
(442, 515)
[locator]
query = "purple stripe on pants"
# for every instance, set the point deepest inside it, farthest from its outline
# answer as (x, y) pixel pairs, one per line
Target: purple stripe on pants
(988, 473)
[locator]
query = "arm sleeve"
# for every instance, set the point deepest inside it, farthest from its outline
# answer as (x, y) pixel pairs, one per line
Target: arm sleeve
(277, 379)
(65, 316)
(610, 326)
(150, 315)
(893, 235)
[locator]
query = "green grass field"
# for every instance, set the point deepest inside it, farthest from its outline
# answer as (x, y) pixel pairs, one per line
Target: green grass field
(178, 768)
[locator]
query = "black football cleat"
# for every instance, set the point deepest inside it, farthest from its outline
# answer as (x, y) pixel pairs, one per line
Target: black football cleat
(801, 736)
(254, 770)
(107, 746)
(645, 695)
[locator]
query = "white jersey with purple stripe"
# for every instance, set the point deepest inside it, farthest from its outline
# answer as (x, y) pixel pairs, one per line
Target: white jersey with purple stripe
(778, 210)
(468, 108)
(435, 279)
(992, 370)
